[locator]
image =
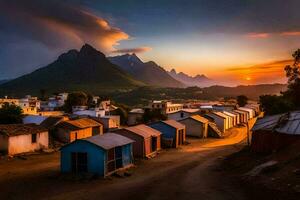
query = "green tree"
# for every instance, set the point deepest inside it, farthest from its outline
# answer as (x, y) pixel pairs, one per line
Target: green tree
(290, 99)
(75, 99)
(241, 100)
(293, 75)
(10, 114)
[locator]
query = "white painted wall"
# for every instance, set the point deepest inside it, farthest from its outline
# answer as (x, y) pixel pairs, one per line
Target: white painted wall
(22, 143)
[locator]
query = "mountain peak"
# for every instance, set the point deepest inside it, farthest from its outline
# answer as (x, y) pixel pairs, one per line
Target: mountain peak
(88, 50)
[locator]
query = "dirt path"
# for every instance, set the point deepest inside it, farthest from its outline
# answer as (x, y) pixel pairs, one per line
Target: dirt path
(190, 172)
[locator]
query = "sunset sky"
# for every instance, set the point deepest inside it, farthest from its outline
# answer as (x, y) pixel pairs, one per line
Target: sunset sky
(231, 41)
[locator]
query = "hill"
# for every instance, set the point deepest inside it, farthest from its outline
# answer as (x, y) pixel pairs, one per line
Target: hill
(148, 72)
(142, 95)
(88, 70)
(198, 80)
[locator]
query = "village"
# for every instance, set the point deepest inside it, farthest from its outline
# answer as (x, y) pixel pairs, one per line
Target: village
(92, 143)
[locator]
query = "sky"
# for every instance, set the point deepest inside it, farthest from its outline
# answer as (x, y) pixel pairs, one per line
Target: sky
(231, 41)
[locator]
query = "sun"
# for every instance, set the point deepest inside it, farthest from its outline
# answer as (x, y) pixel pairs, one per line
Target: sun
(248, 78)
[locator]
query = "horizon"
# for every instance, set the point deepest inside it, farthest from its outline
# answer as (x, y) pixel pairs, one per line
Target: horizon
(224, 41)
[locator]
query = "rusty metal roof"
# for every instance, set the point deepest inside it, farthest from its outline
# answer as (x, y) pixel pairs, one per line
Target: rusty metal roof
(144, 131)
(288, 123)
(78, 124)
(20, 129)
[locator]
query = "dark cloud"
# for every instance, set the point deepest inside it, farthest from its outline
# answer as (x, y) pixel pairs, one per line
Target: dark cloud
(57, 24)
(132, 50)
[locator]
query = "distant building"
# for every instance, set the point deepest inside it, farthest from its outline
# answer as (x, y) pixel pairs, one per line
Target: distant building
(196, 126)
(68, 131)
(173, 132)
(100, 154)
(22, 138)
(110, 122)
(166, 107)
(147, 140)
(92, 112)
(30, 105)
(135, 116)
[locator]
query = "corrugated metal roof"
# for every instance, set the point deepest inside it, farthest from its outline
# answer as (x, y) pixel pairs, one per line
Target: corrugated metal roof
(20, 129)
(220, 114)
(174, 124)
(288, 123)
(144, 131)
(78, 124)
(109, 140)
(197, 118)
(106, 141)
(51, 121)
(229, 114)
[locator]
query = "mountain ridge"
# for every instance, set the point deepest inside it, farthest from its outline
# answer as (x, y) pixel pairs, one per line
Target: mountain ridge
(198, 80)
(87, 69)
(148, 72)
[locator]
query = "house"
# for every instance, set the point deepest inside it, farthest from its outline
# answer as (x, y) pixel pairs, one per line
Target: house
(165, 106)
(100, 154)
(33, 119)
(50, 122)
(183, 113)
(244, 116)
(220, 121)
(249, 110)
(22, 138)
(272, 133)
(93, 112)
(70, 130)
(135, 116)
(237, 116)
(232, 116)
(173, 132)
(196, 126)
(147, 140)
(222, 107)
(109, 122)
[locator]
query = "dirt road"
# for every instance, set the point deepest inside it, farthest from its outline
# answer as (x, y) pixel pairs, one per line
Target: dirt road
(190, 172)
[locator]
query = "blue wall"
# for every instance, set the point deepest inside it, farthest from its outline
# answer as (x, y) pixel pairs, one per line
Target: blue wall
(166, 130)
(96, 156)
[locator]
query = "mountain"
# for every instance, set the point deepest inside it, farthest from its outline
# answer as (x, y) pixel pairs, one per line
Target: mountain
(87, 69)
(3, 81)
(142, 95)
(148, 72)
(198, 80)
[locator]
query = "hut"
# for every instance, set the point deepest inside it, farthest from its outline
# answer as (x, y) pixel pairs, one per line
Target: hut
(233, 117)
(183, 113)
(147, 139)
(22, 138)
(99, 154)
(244, 115)
(249, 110)
(237, 115)
(219, 120)
(135, 116)
(196, 126)
(173, 132)
(70, 130)
(272, 133)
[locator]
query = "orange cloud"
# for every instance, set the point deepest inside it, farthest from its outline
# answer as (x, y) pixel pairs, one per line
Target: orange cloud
(258, 35)
(291, 33)
(133, 50)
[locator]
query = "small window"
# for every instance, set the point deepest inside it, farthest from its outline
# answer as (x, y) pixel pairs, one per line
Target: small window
(182, 115)
(33, 138)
